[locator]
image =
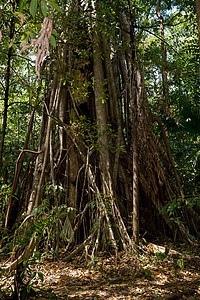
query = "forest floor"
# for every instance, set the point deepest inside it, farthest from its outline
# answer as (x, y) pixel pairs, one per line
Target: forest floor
(149, 275)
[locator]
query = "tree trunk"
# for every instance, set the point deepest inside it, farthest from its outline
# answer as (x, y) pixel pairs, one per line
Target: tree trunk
(6, 95)
(18, 169)
(164, 56)
(198, 19)
(135, 123)
(42, 163)
(100, 105)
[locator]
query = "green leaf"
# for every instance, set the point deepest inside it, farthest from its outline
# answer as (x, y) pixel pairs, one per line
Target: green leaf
(180, 263)
(44, 8)
(164, 208)
(33, 7)
(32, 35)
(55, 5)
(3, 271)
(52, 41)
(33, 275)
(40, 275)
(22, 4)
(37, 254)
(55, 33)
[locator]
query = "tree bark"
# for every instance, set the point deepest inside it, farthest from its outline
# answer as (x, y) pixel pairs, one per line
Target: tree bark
(41, 168)
(6, 95)
(163, 55)
(135, 123)
(135, 92)
(100, 107)
(198, 19)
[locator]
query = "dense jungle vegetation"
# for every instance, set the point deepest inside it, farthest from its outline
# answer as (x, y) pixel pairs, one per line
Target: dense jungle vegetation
(99, 138)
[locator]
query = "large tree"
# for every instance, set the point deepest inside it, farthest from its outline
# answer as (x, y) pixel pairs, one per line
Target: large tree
(99, 141)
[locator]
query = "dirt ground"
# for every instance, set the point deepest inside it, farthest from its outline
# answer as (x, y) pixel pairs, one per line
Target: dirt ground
(147, 275)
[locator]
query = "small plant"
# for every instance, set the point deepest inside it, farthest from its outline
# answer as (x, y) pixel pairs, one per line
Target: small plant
(161, 256)
(146, 272)
(172, 206)
(93, 262)
(26, 278)
(180, 263)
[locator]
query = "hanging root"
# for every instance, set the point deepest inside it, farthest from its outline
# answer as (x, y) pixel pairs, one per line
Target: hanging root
(102, 222)
(81, 247)
(103, 215)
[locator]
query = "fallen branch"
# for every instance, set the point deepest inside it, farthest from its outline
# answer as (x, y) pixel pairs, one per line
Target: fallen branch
(153, 249)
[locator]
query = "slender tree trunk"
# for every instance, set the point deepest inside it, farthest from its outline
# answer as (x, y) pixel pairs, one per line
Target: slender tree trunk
(42, 163)
(100, 105)
(114, 109)
(135, 124)
(19, 167)
(6, 96)
(198, 19)
(163, 55)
